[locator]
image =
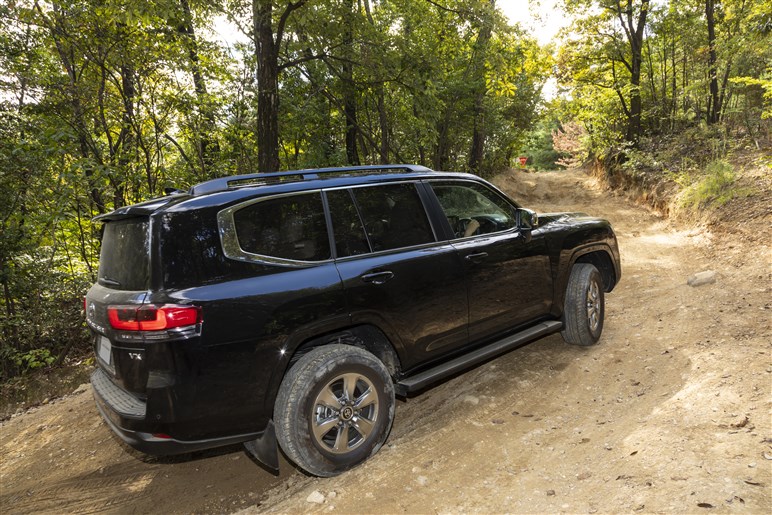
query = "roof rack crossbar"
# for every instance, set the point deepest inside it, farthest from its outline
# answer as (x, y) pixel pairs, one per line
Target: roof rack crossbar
(223, 183)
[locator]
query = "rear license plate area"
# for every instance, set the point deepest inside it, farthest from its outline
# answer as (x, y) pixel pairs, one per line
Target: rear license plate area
(105, 350)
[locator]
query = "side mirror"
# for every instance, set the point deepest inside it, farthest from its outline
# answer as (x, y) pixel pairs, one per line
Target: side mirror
(527, 220)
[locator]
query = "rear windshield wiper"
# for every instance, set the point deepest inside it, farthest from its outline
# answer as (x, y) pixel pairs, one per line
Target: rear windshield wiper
(106, 281)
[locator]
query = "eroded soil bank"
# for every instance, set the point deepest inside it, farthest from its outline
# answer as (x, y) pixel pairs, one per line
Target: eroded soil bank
(670, 412)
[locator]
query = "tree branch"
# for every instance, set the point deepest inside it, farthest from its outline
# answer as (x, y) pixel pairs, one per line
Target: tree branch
(448, 9)
(284, 17)
(304, 59)
(182, 152)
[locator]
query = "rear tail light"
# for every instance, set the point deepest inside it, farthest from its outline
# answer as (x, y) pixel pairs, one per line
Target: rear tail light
(152, 318)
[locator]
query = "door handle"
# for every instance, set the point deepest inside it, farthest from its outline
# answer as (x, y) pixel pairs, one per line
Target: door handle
(378, 277)
(476, 258)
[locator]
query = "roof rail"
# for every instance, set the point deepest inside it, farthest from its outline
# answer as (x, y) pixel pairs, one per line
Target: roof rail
(224, 183)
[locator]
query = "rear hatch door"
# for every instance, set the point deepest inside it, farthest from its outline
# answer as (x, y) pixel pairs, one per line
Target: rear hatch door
(123, 280)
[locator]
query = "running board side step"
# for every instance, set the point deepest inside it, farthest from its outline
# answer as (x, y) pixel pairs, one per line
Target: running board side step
(427, 377)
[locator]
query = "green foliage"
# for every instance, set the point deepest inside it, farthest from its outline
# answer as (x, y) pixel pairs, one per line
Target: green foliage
(594, 65)
(539, 147)
(35, 358)
(715, 187)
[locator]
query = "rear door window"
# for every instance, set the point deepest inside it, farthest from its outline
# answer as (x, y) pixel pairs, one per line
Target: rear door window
(350, 237)
(393, 215)
(291, 227)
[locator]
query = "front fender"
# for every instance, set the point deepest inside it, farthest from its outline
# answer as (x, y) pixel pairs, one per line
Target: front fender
(575, 237)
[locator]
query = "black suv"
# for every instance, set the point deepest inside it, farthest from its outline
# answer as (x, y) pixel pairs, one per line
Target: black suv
(294, 306)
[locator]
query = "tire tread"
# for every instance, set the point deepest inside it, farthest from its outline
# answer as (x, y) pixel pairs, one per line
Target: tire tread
(575, 329)
(294, 388)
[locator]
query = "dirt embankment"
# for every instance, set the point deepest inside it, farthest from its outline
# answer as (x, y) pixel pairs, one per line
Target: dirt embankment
(670, 412)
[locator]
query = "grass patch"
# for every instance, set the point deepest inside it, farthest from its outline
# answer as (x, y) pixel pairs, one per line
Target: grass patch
(714, 188)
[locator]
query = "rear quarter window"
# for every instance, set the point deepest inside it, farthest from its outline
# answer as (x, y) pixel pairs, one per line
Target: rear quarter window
(191, 252)
(291, 227)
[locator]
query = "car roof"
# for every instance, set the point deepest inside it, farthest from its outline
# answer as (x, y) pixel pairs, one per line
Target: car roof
(310, 174)
(226, 190)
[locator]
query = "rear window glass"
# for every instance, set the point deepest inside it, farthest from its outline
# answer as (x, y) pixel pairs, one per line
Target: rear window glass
(124, 263)
(291, 227)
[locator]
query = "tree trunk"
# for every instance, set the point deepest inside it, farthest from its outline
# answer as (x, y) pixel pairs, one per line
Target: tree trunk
(714, 102)
(126, 140)
(267, 47)
(349, 89)
(636, 106)
(442, 150)
(634, 30)
(674, 80)
(477, 151)
(383, 121)
(267, 87)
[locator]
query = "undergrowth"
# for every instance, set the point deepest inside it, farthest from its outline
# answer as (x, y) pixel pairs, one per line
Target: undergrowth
(691, 173)
(716, 186)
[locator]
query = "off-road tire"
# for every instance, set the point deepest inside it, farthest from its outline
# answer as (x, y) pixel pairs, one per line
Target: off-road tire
(313, 396)
(584, 307)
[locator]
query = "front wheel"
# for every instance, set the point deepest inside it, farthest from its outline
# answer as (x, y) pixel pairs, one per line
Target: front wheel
(584, 308)
(334, 409)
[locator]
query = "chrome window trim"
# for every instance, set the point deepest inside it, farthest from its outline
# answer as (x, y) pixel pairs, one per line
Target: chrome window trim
(229, 239)
(398, 250)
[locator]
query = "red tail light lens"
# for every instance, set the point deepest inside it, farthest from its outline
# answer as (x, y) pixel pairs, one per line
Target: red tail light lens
(152, 318)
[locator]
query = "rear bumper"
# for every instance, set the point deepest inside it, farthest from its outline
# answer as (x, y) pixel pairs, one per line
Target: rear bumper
(126, 416)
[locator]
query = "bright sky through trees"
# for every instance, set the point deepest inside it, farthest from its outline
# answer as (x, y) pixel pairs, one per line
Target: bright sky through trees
(540, 17)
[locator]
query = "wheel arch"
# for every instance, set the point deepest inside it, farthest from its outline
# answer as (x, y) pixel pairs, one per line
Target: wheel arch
(364, 336)
(601, 259)
(599, 255)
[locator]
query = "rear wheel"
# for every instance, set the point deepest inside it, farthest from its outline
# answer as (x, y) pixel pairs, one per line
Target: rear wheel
(334, 409)
(584, 307)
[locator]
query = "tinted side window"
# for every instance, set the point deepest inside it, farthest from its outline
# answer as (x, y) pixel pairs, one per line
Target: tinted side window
(473, 208)
(394, 216)
(291, 227)
(350, 238)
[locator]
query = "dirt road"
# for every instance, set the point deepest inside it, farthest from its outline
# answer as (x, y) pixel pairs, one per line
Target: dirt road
(670, 412)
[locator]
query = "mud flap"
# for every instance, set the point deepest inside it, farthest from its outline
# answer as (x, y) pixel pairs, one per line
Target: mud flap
(265, 448)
